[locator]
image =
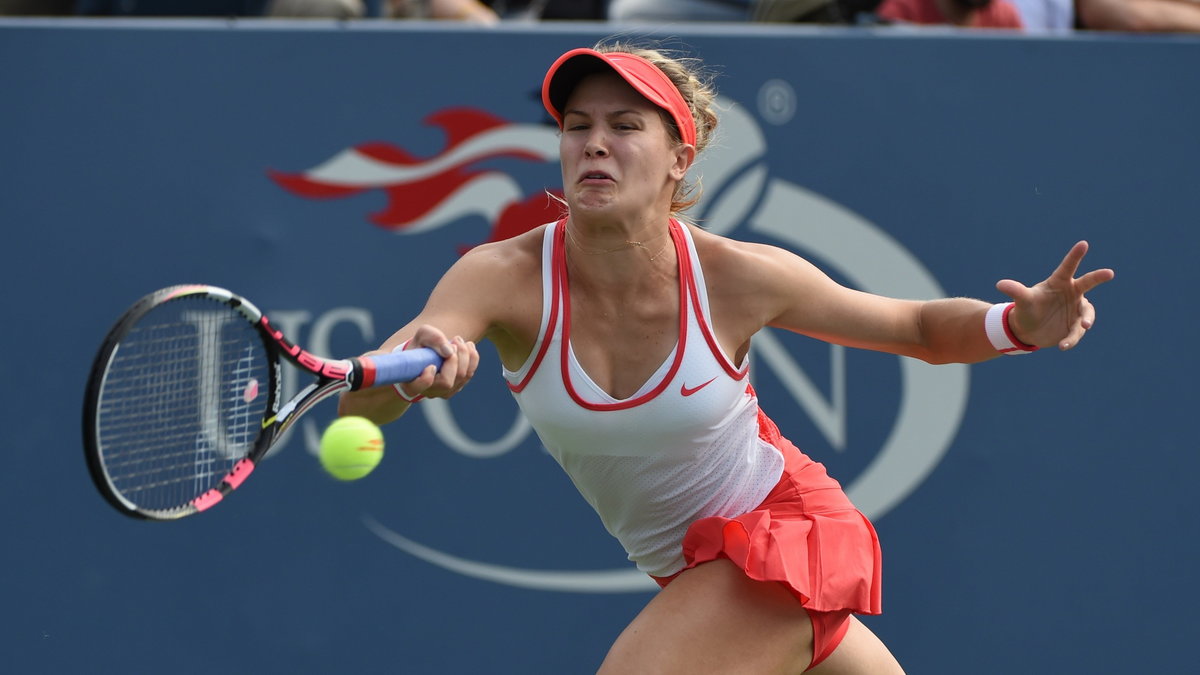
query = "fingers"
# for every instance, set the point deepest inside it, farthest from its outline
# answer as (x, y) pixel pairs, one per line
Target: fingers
(1087, 319)
(1063, 278)
(1087, 314)
(1069, 267)
(1013, 289)
(457, 370)
(460, 360)
(1093, 279)
(1085, 311)
(1056, 311)
(416, 388)
(1070, 263)
(428, 336)
(1072, 338)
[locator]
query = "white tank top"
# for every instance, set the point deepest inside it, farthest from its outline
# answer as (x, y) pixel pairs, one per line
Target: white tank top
(683, 447)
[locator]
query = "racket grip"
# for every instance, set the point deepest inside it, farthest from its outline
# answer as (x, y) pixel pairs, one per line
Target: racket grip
(402, 366)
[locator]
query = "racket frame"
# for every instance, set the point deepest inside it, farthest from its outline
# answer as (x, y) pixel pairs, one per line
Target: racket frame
(334, 376)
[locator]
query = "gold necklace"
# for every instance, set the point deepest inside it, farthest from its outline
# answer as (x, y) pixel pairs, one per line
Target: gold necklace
(660, 251)
(628, 244)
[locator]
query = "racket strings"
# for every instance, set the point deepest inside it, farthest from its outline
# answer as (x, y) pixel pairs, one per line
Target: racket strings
(182, 401)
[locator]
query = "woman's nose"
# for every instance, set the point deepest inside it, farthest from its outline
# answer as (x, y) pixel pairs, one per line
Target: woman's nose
(595, 146)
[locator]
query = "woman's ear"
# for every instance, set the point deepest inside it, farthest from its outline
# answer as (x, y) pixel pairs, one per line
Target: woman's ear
(685, 155)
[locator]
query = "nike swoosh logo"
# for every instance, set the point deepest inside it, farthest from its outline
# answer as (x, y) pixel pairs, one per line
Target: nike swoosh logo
(688, 391)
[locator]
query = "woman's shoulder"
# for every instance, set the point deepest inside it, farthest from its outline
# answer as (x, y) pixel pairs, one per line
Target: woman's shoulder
(499, 282)
(517, 254)
(728, 258)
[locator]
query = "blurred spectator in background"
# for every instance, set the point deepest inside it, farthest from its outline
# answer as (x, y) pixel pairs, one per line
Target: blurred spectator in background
(170, 7)
(635, 11)
(461, 10)
(314, 9)
(473, 11)
(768, 11)
(1140, 16)
(550, 10)
(36, 7)
(575, 10)
(1046, 16)
(816, 11)
(964, 13)
(1034, 16)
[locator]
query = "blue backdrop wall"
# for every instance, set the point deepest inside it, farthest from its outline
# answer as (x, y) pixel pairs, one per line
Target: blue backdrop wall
(1036, 513)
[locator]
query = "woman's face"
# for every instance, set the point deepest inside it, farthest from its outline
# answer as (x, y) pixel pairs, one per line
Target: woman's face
(617, 155)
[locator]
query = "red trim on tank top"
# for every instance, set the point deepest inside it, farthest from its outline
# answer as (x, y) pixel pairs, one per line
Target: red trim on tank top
(706, 330)
(559, 229)
(685, 282)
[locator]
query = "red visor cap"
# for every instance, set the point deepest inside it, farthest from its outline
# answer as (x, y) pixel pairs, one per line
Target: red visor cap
(642, 75)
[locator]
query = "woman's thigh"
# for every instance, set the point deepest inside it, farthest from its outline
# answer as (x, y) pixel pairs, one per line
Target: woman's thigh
(714, 619)
(859, 653)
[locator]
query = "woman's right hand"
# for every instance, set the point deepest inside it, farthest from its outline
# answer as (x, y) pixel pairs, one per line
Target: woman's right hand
(461, 360)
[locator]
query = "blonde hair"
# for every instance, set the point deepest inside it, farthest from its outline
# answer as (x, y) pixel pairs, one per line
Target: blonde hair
(695, 85)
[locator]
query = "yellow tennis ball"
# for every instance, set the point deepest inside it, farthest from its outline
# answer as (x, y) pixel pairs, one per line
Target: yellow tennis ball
(351, 448)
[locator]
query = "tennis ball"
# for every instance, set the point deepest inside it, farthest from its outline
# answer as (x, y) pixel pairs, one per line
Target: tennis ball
(351, 448)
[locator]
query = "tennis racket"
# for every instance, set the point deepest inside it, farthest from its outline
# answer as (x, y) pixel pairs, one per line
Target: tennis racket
(184, 398)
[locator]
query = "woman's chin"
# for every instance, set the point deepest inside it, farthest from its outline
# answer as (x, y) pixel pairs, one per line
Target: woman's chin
(593, 204)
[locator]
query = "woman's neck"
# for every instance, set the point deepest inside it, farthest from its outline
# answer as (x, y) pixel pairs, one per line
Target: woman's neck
(609, 254)
(605, 242)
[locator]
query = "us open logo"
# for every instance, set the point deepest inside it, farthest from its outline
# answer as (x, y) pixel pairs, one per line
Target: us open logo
(740, 199)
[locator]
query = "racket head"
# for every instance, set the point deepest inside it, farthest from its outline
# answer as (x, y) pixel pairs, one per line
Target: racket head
(176, 402)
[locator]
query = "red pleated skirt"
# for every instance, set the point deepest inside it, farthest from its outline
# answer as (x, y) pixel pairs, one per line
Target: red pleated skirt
(806, 535)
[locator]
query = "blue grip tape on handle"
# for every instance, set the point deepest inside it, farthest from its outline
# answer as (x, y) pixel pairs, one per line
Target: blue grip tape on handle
(404, 366)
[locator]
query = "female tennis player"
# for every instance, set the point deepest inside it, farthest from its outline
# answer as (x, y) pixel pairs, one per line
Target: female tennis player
(624, 333)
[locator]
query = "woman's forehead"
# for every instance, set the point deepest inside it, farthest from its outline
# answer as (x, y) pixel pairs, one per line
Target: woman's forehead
(606, 90)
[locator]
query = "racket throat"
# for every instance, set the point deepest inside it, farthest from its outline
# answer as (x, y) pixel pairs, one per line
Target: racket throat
(231, 482)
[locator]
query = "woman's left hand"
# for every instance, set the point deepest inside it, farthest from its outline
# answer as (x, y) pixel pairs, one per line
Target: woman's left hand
(1055, 312)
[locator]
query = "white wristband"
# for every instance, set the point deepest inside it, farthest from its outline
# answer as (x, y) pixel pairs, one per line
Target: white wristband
(1000, 333)
(396, 386)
